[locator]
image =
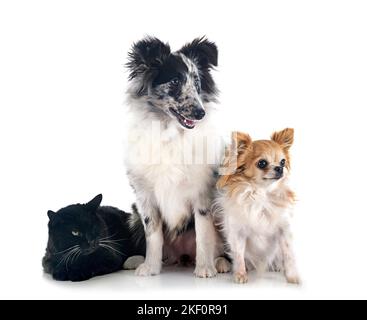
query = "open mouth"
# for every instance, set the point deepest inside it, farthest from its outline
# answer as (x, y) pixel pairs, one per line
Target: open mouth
(186, 123)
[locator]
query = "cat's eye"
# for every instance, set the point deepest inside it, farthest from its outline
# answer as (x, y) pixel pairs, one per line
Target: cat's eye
(282, 163)
(262, 164)
(75, 233)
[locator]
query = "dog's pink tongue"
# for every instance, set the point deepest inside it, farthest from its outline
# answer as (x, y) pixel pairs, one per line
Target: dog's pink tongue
(189, 122)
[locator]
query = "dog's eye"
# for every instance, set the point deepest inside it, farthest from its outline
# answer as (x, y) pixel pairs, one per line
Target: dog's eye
(75, 233)
(262, 164)
(175, 82)
(282, 163)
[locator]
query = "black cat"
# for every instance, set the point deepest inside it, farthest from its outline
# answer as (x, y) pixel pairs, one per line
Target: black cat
(86, 240)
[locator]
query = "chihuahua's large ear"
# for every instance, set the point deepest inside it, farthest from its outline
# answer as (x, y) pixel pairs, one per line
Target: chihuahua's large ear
(50, 214)
(202, 51)
(284, 138)
(145, 54)
(242, 141)
(94, 203)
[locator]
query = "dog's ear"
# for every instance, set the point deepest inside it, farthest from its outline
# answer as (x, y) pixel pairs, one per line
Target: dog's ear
(205, 55)
(94, 203)
(241, 141)
(148, 53)
(234, 158)
(284, 138)
(203, 52)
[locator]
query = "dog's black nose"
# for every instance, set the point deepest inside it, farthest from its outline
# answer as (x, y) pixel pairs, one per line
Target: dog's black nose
(279, 171)
(199, 113)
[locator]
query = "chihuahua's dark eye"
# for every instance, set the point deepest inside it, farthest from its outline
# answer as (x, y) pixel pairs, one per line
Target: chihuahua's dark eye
(262, 164)
(282, 163)
(175, 82)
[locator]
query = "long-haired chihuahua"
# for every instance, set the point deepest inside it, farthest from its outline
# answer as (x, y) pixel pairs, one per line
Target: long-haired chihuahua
(253, 205)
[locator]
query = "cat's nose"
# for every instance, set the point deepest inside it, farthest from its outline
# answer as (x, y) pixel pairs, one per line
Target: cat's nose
(92, 243)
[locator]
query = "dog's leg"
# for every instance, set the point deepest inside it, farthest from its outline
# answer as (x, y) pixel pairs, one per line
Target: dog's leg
(154, 238)
(205, 244)
(153, 260)
(289, 262)
(237, 246)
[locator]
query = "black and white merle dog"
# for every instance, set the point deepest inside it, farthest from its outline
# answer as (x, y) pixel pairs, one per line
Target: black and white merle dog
(172, 150)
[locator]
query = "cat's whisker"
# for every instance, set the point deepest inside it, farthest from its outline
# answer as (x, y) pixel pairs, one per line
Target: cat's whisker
(111, 242)
(112, 248)
(107, 248)
(108, 237)
(75, 256)
(67, 255)
(66, 249)
(116, 240)
(70, 258)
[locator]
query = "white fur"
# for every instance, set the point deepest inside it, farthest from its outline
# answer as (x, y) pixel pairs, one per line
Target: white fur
(257, 231)
(171, 179)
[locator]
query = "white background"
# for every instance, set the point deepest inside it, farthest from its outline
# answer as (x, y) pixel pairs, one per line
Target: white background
(281, 63)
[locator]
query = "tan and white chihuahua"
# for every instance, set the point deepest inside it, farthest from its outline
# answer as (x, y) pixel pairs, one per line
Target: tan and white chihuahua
(253, 205)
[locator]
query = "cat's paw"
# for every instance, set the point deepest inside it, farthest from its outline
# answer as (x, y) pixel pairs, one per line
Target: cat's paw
(205, 271)
(240, 277)
(146, 270)
(133, 262)
(222, 265)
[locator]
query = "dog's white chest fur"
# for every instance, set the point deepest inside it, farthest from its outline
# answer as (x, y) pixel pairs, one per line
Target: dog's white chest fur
(171, 165)
(256, 219)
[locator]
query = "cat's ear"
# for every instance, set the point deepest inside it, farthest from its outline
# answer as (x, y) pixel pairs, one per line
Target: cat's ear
(94, 203)
(50, 214)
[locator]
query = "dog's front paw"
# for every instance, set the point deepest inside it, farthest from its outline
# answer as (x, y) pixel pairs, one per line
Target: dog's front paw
(240, 277)
(146, 270)
(222, 265)
(293, 279)
(205, 271)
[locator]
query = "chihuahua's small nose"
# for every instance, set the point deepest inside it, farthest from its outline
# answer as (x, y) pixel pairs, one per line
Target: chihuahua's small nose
(279, 171)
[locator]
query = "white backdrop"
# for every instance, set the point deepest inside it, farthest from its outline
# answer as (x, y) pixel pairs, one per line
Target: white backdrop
(281, 63)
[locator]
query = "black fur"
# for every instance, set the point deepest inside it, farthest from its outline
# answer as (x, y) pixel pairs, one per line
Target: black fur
(100, 238)
(152, 60)
(205, 55)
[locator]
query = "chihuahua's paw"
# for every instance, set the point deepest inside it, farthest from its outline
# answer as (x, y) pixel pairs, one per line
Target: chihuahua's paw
(240, 277)
(146, 270)
(293, 279)
(205, 271)
(133, 262)
(222, 265)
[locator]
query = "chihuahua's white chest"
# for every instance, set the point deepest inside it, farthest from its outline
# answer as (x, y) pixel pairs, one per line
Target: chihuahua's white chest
(254, 218)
